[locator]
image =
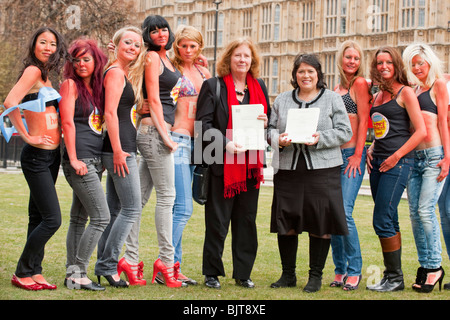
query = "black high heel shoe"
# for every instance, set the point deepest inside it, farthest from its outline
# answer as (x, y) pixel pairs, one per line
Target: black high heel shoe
(72, 284)
(116, 284)
(427, 288)
(421, 277)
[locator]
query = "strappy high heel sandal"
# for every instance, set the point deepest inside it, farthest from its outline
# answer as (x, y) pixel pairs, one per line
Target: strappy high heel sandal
(339, 280)
(134, 273)
(168, 274)
(433, 276)
(351, 287)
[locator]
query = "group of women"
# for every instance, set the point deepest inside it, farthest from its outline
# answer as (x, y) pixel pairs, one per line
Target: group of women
(141, 100)
(109, 109)
(315, 185)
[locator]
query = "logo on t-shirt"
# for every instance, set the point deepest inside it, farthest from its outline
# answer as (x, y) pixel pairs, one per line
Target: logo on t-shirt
(175, 91)
(380, 125)
(133, 116)
(96, 121)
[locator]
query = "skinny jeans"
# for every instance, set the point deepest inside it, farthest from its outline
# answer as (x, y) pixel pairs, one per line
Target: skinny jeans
(88, 202)
(387, 189)
(156, 169)
(423, 194)
(124, 202)
(346, 250)
(183, 205)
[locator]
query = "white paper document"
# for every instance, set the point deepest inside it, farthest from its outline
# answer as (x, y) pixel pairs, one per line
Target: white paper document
(302, 124)
(248, 131)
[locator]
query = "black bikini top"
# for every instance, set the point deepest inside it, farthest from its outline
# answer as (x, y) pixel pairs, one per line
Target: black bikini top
(425, 102)
(34, 96)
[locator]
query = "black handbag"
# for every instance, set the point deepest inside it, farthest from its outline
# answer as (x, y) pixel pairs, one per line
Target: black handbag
(200, 184)
(200, 180)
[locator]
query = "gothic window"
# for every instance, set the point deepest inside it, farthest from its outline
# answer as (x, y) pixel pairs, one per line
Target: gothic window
(308, 20)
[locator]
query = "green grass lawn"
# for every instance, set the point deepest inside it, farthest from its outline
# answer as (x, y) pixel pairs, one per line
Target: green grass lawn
(267, 268)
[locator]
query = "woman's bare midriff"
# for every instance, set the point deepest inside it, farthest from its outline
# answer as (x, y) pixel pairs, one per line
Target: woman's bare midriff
(149, 122)
(185, 115)
(433, 138)
(44, 123)
(354, 121)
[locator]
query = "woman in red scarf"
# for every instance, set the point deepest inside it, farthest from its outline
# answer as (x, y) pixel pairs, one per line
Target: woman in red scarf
(236, 173)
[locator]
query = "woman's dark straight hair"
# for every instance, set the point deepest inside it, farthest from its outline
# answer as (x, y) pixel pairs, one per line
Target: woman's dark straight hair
(152, 23)
(313, 61)
(56, 60)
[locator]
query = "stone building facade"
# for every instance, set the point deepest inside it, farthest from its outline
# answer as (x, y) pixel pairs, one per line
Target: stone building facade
(284, 28)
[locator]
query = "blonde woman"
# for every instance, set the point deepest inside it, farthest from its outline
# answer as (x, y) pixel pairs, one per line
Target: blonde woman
(354, 90)
(187, 48)
(431, 162)
(122, 83)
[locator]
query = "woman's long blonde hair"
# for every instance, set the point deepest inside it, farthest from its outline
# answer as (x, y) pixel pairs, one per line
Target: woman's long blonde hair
(135, 68)
(427, 54)
(188, 33)
(340, 55)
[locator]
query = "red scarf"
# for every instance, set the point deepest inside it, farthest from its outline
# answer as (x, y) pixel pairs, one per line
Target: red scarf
(236, 172)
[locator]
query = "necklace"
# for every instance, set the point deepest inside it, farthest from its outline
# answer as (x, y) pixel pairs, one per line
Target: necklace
(241, 93)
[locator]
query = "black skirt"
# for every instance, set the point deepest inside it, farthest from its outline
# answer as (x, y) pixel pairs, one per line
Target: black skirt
(308, 200)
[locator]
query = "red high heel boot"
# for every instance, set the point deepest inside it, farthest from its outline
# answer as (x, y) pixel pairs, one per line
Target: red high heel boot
(134, 273)
(168, 273)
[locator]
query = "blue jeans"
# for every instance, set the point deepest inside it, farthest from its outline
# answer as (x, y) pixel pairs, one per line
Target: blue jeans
(423, 194)
(387, 189)
(40, 168)
(183, 205)
(444, 211)
(88, 201)
(124, 201)
(346, 250)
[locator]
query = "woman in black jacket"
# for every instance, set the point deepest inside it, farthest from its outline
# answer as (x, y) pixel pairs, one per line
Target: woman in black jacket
(234, 183)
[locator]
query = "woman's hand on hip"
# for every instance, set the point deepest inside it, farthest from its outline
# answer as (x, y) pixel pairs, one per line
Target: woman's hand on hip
(120, 163)
(79, 167)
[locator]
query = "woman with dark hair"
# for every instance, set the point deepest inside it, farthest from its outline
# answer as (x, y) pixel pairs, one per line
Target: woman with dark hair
(307, 183)
(40, 157)
(156, 167)
(233, 189)
(390, 157)
(81, 109)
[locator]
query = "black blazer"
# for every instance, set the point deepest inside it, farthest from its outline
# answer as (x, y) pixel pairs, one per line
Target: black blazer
(215, 118)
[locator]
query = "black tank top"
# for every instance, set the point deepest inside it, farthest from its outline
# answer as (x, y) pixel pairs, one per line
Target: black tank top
(126, 112)
(391, 126)
(169, 87)
(88, 128)
(425, 102)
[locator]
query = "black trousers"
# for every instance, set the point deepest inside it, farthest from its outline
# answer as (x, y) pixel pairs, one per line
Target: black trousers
(40, 168)
(240, 210)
